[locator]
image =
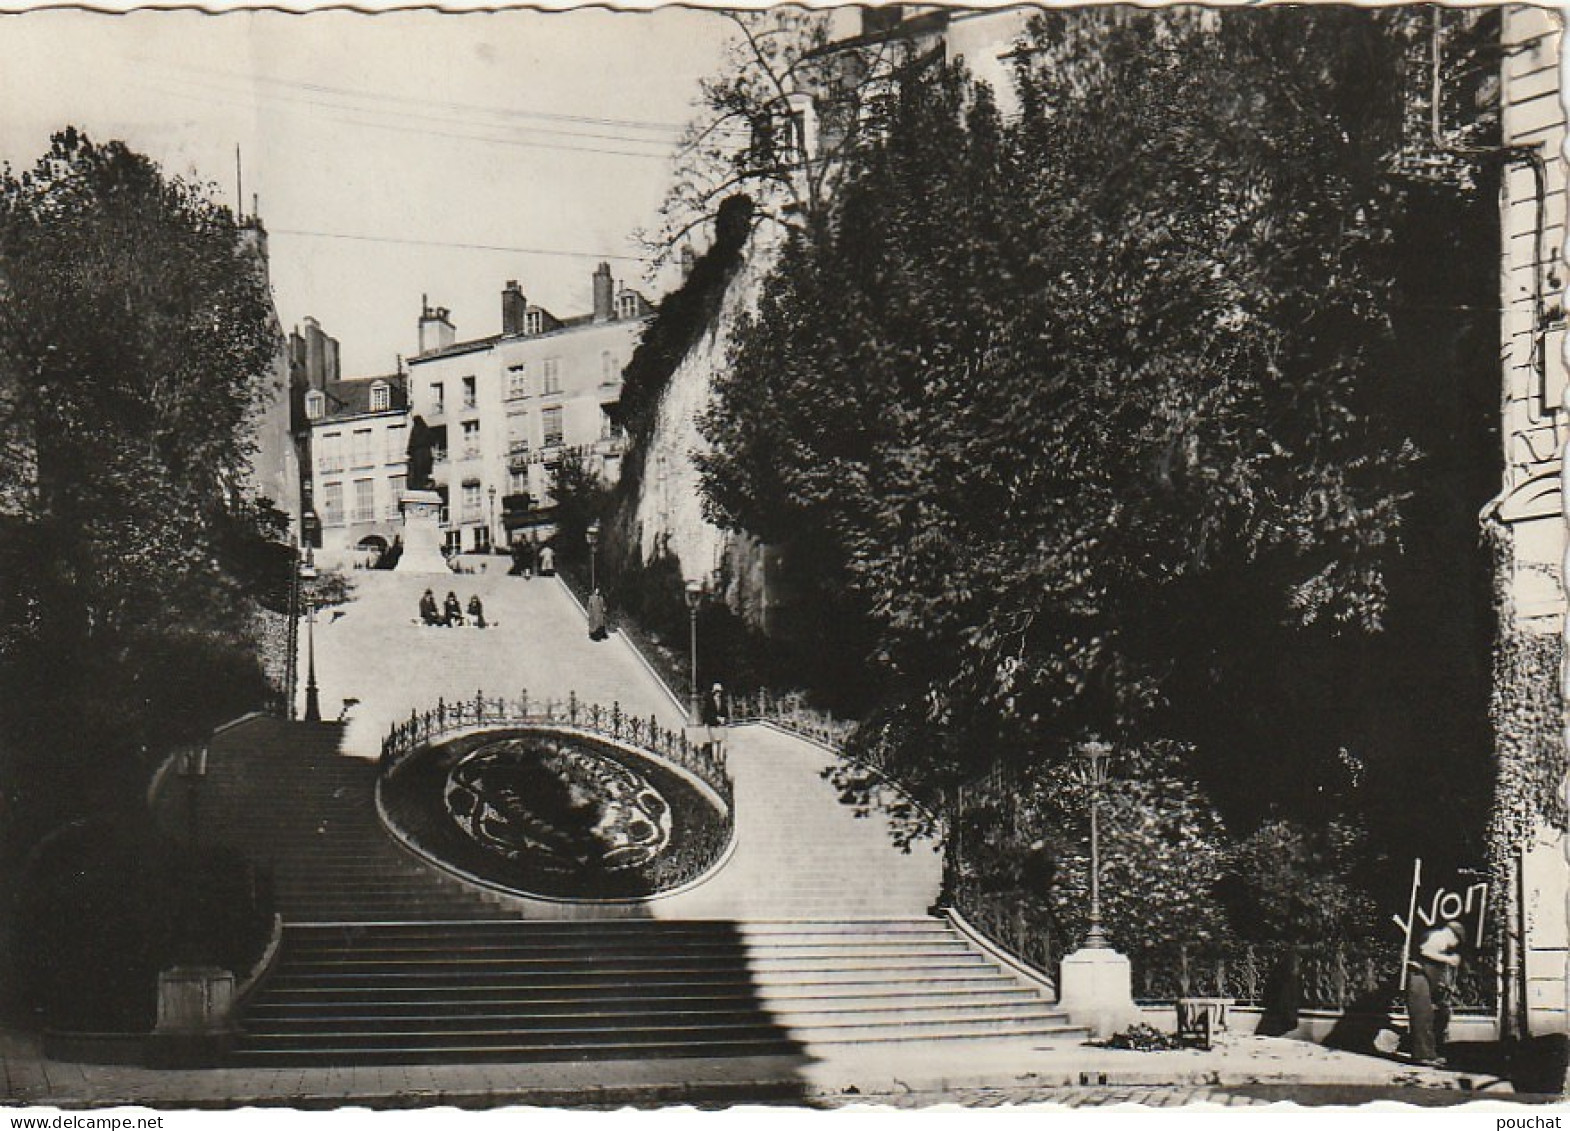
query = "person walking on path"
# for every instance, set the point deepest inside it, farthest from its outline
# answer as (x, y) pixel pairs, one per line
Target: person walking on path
(714, 714)
(476, 611)
(597, 628)
(547, 560)
(1431, 974)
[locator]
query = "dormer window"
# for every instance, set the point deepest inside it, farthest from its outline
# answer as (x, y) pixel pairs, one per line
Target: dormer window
(315, 404)
(533, 322)
(381, 397)
(627, 305)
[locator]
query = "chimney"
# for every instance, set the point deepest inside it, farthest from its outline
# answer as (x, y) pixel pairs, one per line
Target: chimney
(604, 290)
(513, 307)
(436, 329)
(315, 355)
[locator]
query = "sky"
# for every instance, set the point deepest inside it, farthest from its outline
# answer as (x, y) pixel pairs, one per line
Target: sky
(391, 156)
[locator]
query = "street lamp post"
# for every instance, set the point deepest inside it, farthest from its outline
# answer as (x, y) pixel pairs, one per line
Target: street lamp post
(490, 533)
(592, 536)
(1095, 755)
(313, 707)
(694, 595)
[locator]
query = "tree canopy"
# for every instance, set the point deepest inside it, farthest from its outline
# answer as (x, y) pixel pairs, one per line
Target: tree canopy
(135, 329)
(1072, 411)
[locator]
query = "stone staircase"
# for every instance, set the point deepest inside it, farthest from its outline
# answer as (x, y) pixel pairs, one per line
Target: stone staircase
(800, 942)
(282, 794)
(521, 991)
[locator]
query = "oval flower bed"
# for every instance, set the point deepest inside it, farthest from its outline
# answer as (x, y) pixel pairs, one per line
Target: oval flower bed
(564, 816)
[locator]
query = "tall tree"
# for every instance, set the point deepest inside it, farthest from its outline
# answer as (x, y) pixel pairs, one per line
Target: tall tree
(135, 331)
(778, 123)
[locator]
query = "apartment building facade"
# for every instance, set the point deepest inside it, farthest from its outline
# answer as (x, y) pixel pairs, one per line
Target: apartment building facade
(503, 411)
(358, 444)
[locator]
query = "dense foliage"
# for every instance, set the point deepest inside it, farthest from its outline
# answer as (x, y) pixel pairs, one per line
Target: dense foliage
(103, 907)
(135, 329)
(1138, 419)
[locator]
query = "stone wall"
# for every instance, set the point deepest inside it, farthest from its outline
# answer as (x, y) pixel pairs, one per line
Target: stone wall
(1531, 503)
(669, 510)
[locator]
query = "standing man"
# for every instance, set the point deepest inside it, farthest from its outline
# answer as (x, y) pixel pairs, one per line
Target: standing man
(1431, 976)
(597, 629)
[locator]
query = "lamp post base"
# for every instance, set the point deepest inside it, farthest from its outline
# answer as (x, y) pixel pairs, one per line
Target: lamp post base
(1096, 990)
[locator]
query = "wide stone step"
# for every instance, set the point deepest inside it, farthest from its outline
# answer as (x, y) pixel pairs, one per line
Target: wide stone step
(670, 1031)
(282, 988)
(696, 950)
(513, 1052)
(708, 1015)
(792, 1001)
(851, 1032)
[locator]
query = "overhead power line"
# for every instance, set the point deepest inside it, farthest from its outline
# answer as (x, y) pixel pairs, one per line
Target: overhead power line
(454, 134)
(450, 244)
(466, 108)
(446, 121)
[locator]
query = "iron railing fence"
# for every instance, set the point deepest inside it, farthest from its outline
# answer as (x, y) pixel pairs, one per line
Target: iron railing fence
(1354, 974)
(422, 728)
(790, 712)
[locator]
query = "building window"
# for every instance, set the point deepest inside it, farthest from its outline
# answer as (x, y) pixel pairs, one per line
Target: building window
(397, 443)
(517, 381)
(471, 500)
(551, 420)
(517, 434)
(397, 485)
(438, 399)
(609, 429)
(468, 392)
(471, 439)
(550, 379)
(518, 481)
(332, 504)
(381, 397)
(365, 500)
(361, 450)
(315, 405)
(533, 322)
(626, 305)
(331, 456)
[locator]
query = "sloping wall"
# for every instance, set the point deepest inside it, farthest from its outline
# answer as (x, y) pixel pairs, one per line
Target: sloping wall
(669, 505)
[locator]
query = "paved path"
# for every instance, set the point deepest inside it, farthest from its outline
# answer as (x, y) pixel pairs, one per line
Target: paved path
(799, 853)
(375, 650)
(973, 1073)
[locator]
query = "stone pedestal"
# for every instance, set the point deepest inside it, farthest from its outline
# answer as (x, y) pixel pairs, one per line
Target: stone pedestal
(422, 534)
(195, 1017)
(1096, 989)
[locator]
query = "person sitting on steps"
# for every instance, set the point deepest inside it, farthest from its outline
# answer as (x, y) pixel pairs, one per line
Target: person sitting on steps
(476, 611)
(429, 613)
(453, 610)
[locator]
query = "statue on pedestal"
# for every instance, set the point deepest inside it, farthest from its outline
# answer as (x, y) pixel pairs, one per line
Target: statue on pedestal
(421, 459)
